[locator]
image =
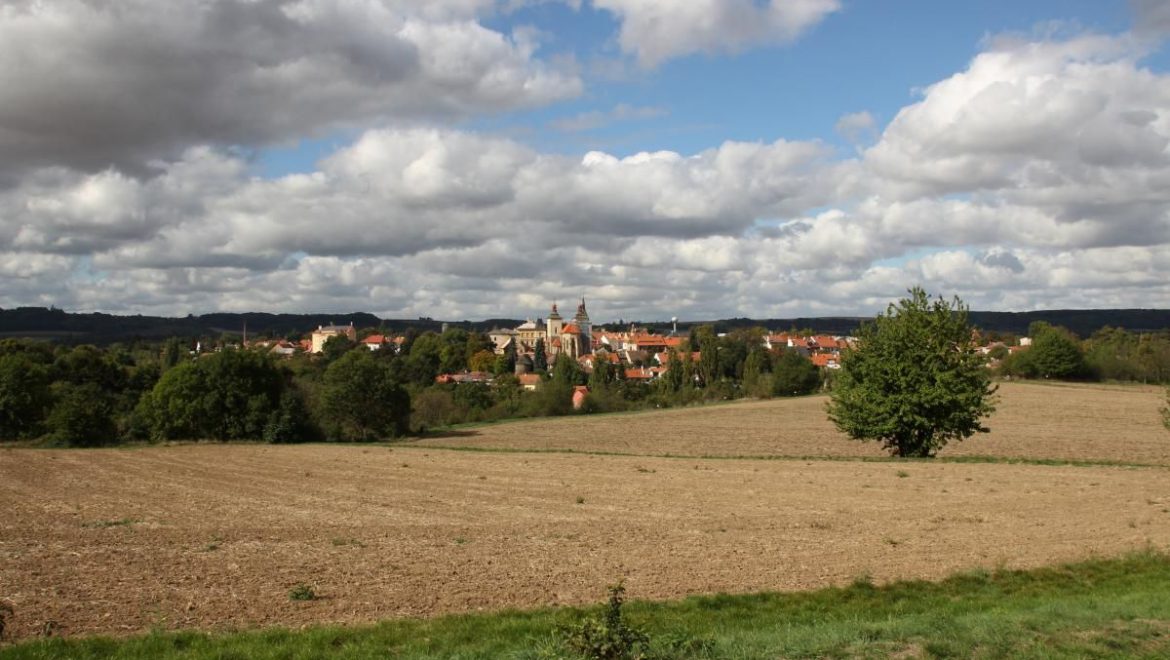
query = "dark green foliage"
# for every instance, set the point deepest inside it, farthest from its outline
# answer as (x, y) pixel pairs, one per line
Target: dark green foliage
(704, 339)
(755, 365)
(361, 401)
(433, 407)
(24, 396)
(82, 416)
(1055, 353)
(915, 380)
(336, 346)
(608, 637)
(230, 395)
(89, 364)
(1115, 354)
(555, 396)
(539, 356)
(422, 365)
(672, 380)
(793, 374)
(291, 421)
(453, 353)
(173, 353)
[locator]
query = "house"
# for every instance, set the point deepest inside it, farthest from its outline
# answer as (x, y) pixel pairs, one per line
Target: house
(324, 333)
(580, 392)
(529, 381)
(283, 348)
(826, 360)
(644, 374)
(375, 342)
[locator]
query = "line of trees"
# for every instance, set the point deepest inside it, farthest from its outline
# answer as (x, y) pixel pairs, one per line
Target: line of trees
(1108, 354)
(89, 396)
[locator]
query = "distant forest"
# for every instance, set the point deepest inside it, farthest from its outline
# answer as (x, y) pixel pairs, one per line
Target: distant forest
(101, 329)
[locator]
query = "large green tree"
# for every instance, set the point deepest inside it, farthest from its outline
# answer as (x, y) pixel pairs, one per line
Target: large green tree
(915, 381)
(1055, 353)
(24, 396)
(361, 401)
(793, 374)
(230, 395)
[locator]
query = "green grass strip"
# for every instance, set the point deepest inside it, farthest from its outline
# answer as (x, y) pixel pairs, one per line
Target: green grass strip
(1117, 608)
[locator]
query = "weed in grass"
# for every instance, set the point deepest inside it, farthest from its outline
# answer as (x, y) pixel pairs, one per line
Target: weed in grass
(608, 637)
(902, 474)
(820, 524)
(580, 500)
(863, 581)
(302, 592)
(460, 540)
(892, 542)
(211, 547)
(6, 612)
(645, 470)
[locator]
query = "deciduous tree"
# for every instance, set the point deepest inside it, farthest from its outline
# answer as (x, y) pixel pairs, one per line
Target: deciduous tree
(794, 374)
(361, 401)
(915, 380)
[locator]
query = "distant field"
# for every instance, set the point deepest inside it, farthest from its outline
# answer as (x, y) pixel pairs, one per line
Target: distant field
(214, 536)
(1034, 421)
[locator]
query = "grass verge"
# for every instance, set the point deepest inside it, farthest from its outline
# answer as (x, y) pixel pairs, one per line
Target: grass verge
(1102, 608)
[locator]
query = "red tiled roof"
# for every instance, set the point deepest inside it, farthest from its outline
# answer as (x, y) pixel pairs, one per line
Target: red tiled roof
(571, 329)
(375, 339)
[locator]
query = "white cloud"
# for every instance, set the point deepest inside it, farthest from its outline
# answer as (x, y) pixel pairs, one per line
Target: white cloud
(126, 82)
(658, 30)
(1037, 177)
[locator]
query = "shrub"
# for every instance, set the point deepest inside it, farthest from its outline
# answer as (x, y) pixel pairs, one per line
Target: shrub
(302, 592)
(608, 637)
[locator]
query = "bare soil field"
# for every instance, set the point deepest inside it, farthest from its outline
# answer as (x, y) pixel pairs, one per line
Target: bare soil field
(1118, 423)
(214, 536)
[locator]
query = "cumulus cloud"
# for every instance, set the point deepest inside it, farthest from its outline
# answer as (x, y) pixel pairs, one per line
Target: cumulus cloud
(657, 30)
(1038, 176)
(126, 82)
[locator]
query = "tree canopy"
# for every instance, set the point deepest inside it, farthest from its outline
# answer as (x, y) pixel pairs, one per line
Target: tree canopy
(915, 381)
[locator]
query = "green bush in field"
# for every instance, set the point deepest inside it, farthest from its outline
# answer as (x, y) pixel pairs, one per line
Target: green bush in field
(302, 592)
(915, 380)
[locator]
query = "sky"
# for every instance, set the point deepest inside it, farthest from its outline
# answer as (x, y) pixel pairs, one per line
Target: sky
(471, 159)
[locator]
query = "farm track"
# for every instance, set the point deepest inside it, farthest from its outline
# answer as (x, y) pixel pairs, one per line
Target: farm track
(214, 536)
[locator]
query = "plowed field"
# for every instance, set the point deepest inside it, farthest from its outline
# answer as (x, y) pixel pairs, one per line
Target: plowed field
(215, 536)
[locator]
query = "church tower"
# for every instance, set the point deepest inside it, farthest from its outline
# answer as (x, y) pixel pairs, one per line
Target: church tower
(553, 325)
(582, 321)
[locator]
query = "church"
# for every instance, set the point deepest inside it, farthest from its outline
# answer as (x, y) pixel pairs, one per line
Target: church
(573, 338)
